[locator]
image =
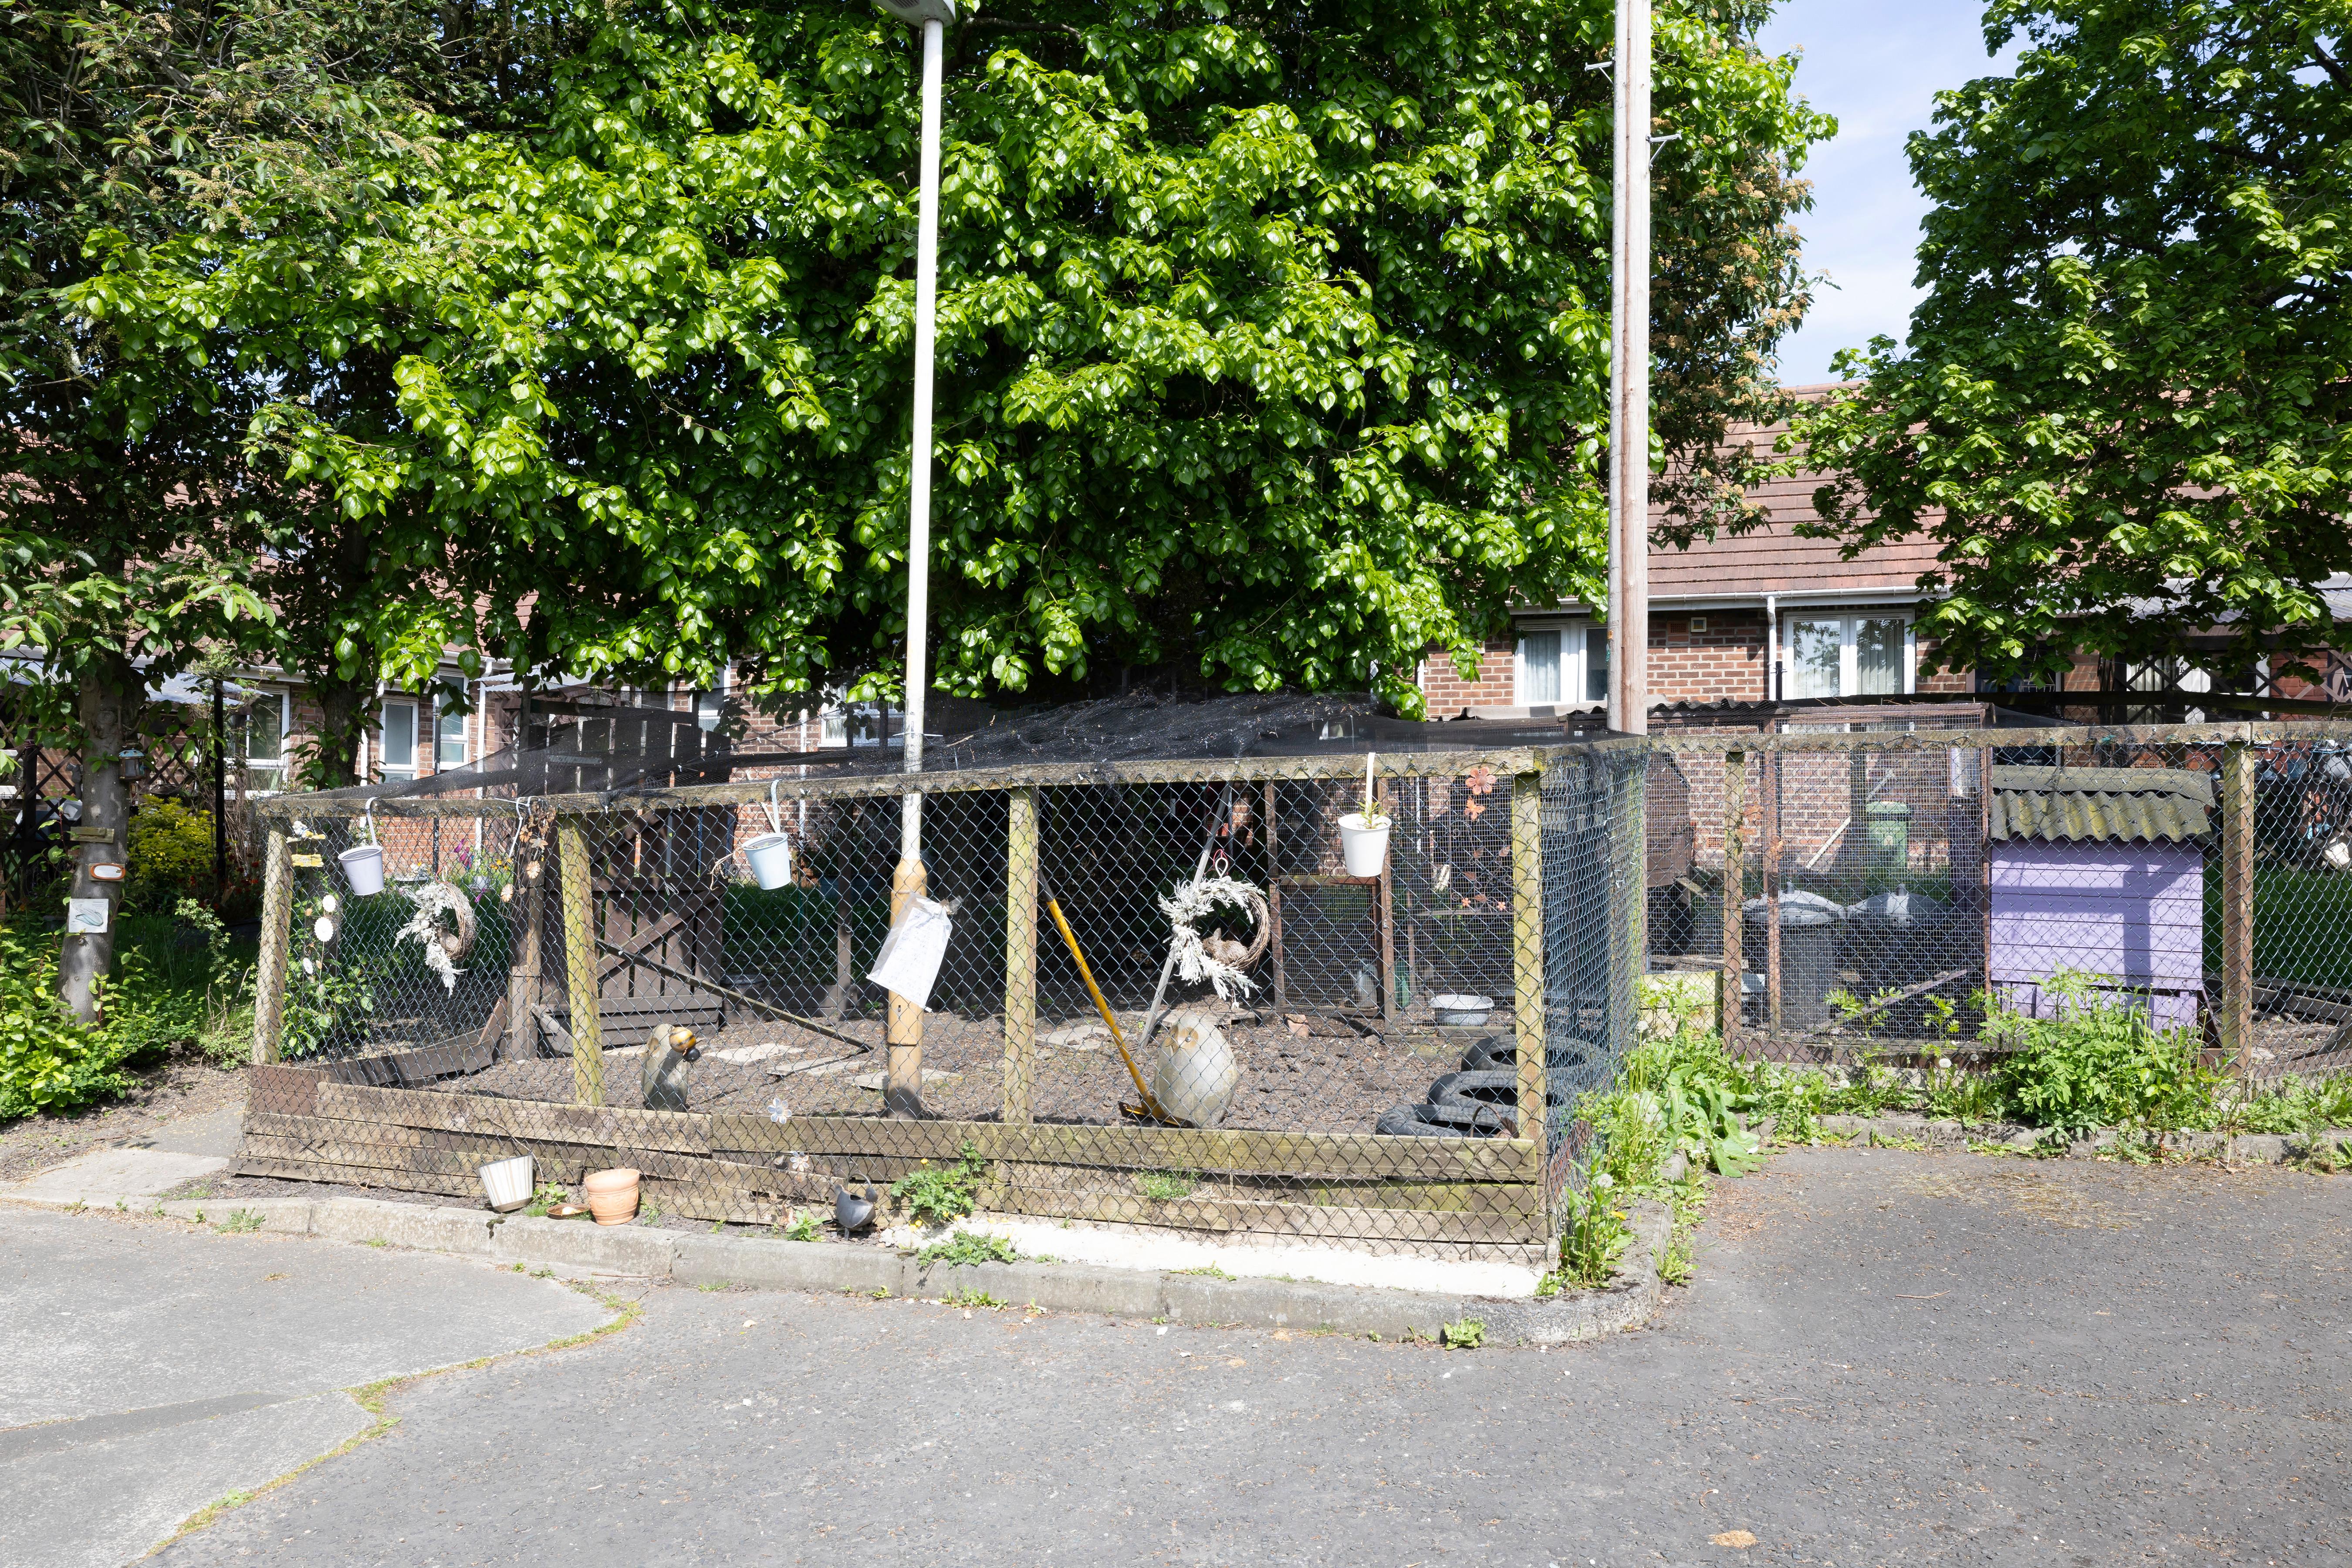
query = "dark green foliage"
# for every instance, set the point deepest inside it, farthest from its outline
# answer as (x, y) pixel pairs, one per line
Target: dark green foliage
(2122, 410)
(936, 1195)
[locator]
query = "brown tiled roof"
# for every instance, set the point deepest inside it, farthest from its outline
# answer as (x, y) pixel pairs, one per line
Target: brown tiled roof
(1772, 558)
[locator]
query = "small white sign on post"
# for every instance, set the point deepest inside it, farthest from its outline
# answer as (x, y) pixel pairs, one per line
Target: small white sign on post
(87, 917)
(908, 962)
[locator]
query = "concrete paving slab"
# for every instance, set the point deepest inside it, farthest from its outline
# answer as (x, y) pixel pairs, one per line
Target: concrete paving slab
(104, 1176)
(215, 1133)
(100, 1504)
(148, 1368)
(100, 1315)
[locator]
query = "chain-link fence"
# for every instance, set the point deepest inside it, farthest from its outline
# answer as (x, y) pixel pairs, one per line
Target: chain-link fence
(1171, 994)
(1168, 997)
(1892, 891)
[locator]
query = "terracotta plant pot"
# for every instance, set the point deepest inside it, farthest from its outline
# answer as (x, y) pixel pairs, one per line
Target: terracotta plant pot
(613, 1195)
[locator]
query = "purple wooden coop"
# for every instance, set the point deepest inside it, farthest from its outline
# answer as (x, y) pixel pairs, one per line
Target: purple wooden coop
(2100, 872)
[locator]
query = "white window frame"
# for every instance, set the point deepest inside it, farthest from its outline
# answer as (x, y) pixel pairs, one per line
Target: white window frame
(1849, 624)
(385, 705)
(275, 767)
(1577, 640)
(465, 736)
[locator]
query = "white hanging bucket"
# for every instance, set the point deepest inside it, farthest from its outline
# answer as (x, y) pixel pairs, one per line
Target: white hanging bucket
(363, 868)
(1364, 848)
(507, 1183)
(770, 856)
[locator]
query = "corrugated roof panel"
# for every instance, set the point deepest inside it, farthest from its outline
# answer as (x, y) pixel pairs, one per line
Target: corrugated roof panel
(2085, 805)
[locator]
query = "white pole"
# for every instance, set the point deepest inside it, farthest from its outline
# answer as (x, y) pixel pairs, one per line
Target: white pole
(919, 486)
(1629, 379)
(902, 1087)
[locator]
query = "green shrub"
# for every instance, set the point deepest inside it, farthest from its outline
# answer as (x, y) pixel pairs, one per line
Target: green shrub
(1595, 1236)
(47, 1062)
(170, 857)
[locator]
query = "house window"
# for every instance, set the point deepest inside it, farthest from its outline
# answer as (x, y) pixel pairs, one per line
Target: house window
(1847, 656)
(266, 719)
(1564, 664)
(449, 748)
(398, 724)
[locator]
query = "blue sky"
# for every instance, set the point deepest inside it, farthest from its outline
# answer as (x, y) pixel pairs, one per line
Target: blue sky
(1877, 66)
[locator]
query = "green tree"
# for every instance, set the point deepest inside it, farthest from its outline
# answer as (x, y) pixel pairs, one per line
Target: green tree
(1271, 342)
(2122, 412)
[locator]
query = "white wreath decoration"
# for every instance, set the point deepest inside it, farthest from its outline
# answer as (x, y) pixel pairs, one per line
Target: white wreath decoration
(1188, 906)
(442, 948)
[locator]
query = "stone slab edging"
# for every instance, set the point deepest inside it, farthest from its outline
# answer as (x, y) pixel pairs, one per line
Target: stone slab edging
(1956, 1137)
(579, 1248)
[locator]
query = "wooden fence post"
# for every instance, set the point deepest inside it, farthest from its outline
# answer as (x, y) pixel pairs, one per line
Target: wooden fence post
(2235, 1016)
(1527, 950)
(1020, 957)
(1733, 995)
(1772, 895)
(529, 873)
(580, 964)
(276, 925)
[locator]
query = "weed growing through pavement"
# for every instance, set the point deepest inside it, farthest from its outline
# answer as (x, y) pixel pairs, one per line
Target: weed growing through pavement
(239, 1220)
(967, 1246)
(974, 1299)
(1464, 1334)
(933, 1195)
(806, 1226)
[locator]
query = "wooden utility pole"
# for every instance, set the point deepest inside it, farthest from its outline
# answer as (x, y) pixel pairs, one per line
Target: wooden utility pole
(1019, 957)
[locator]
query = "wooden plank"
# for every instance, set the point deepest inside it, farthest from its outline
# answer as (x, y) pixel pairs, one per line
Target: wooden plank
(1340, 1155)
(679, 1131)
(277, 930)
(363, 1146)
(1527, 949)
(277, 1087)
(311, 1171)
(580, 964)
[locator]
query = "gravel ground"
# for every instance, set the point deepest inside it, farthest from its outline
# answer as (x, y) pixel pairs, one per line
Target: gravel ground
(1882, 1358)
(181, 1087)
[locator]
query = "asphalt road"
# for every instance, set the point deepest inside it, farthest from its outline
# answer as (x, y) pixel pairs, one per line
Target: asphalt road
(1886, 1358)
(148, 1368)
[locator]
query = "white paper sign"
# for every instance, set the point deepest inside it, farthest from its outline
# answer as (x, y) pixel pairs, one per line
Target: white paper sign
(87, 917)
(909, 960)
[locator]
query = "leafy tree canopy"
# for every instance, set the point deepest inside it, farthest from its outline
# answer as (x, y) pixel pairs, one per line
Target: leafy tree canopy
(2123, 409)
(1271, 338)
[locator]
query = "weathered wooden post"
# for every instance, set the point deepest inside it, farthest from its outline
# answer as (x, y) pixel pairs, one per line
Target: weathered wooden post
(276, 926)
(1020, 957)
(1732, 996)
(580, 964)
(1527, 949)
(530, 874)
(2234, 1017)
(1772, 893)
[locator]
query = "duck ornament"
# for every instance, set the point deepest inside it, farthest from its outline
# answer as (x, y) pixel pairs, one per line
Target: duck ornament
(667, 1051)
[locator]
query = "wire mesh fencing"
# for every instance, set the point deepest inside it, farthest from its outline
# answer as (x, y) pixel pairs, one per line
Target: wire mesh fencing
(1916, 894)
(1186, 995)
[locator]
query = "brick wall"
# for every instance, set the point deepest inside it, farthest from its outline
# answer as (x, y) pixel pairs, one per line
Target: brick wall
(1494, 685)
(1703, 655)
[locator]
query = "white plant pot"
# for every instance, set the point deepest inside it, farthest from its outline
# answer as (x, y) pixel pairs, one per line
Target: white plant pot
(507, 1183)
(769, 857)
(1364, 849)
(363, 868)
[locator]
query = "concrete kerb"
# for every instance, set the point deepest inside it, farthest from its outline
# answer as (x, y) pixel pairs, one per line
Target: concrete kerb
(1957, 1137)
(574, 1248)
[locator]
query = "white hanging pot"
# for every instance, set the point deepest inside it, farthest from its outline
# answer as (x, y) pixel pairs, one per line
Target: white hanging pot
(1364, 846)
(770, 858)
(363, 868)
(507, 1183)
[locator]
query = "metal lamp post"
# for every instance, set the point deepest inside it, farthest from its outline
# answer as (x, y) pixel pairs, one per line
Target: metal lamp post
(902, 1087)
